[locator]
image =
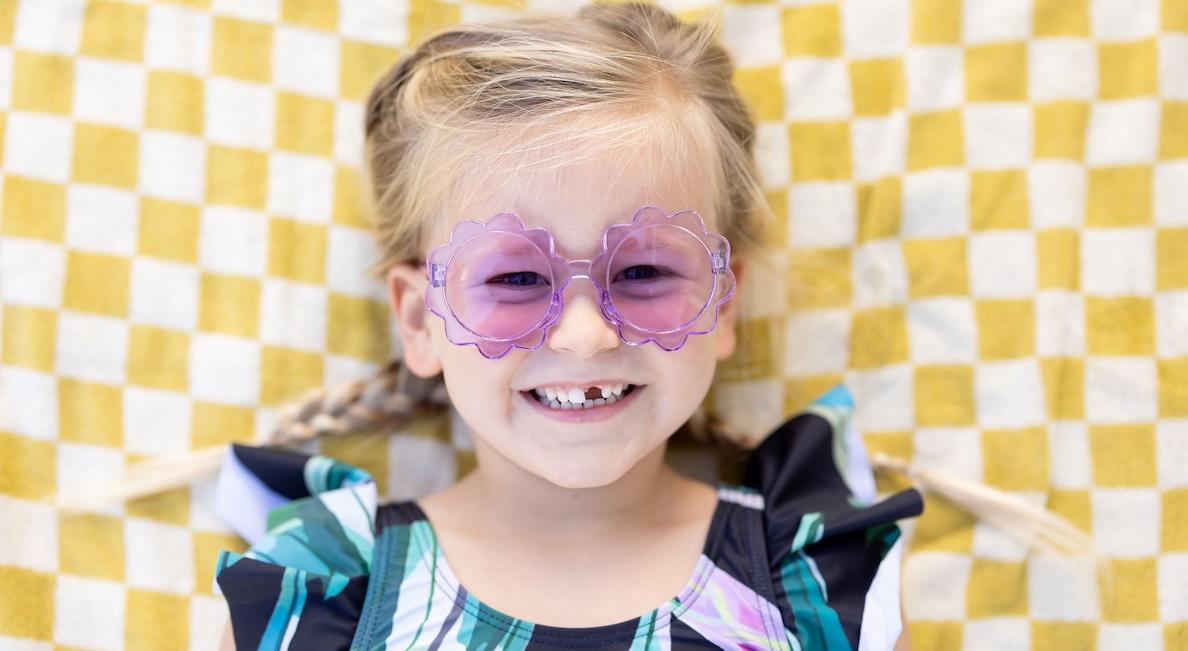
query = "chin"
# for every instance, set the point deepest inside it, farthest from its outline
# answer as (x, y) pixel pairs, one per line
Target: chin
(592, 474)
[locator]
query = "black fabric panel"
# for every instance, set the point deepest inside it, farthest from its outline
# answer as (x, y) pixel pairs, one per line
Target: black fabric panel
(329, 625)
(251, 588)
(280, 469)
(393, 513)
(731, 552)
(793, 468)
(684, 637)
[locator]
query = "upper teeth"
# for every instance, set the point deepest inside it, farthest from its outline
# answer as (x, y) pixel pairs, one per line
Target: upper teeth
(577, 396)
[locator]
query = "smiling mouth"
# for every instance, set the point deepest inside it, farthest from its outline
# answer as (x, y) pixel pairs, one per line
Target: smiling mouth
(590, 403)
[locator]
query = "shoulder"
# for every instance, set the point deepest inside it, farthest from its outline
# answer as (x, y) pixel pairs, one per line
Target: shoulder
(834, 550)
(310, 522)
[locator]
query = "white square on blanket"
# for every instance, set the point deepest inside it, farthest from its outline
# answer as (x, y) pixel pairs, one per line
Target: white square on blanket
(934, 585)
(172, 166)
(267, 11)
(239, 113)
(1000, 20)
(1070, 465)
(101, 219)
(109, 92)
(164, 294)
(1118, 261)
(958, 450)
(1009, 394)
(771, 153)
(996, 634)
(151, 553)
(1061, 588)
(1124, 132)
(997, 135)
(1171, 323)
(1172, 577)
(38, 145)
(816, 88)
(942, 330)
(817, 342)
(1173, 66)
(1120, 389)
(821, 214)
(92, 347)
(384, 23)
(29, 403)
(753, 34)
(1170, 200)
(233, 240)
(883, 398)
(1130, 637)
(1002, 264)
(32, 272)
(879, 146)
(225, 369)
(301, 186)
(89, 613)
(1059, 323)
(1061, 69)
(305, 61)
(30, 540)
(293, 315)
(935, 203)
(178, 38)
(874, 28)
(1110, 20)
(1056, 194)
(935, 77)
(1171, 452)
(49, 26)
(156, 422)
(1139, 508)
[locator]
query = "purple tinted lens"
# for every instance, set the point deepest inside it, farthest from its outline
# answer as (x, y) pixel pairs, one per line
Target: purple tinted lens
(499, 285)
(660, 277)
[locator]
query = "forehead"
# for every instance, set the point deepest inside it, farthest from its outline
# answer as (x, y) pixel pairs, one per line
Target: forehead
(577, 201)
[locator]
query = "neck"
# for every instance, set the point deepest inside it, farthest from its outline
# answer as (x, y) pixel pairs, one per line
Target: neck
(510, 498)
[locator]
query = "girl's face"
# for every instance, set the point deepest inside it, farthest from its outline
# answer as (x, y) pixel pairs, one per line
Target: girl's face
(493, 395)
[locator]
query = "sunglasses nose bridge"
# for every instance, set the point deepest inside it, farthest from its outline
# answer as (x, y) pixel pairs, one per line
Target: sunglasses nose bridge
(580, 269)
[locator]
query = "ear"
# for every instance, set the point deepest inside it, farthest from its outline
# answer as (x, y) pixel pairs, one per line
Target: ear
(727, 338)
(406, 287)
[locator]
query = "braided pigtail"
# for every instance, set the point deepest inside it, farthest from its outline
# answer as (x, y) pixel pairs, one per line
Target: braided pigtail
(383, 402)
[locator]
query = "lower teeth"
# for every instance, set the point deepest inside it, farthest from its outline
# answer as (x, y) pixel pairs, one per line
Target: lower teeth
(588, 404)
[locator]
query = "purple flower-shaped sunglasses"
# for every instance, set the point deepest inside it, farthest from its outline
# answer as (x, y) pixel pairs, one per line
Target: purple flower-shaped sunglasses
(659, 278)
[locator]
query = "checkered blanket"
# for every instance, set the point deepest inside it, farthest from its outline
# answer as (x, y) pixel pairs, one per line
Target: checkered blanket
(985, 236)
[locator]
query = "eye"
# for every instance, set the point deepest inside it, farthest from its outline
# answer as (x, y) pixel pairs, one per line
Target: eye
(517, 279)
(641, 272)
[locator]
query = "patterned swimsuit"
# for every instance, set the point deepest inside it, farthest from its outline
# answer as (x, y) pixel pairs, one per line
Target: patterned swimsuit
(798, 557)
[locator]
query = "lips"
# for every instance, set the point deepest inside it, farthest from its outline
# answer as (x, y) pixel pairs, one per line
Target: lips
(583, 415)
(551, 399)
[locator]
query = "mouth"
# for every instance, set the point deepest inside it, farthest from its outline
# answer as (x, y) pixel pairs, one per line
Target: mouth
(592, 400)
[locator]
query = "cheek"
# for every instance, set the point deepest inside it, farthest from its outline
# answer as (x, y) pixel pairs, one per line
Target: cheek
(686, 373)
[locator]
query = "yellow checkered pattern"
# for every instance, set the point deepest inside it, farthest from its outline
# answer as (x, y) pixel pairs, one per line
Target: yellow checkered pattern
(986, 238)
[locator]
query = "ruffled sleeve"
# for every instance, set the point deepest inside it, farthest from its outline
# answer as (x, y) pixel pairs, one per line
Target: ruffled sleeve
(310, 521)
(834, 551)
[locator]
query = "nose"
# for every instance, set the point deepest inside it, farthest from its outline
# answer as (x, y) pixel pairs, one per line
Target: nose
(581, 329)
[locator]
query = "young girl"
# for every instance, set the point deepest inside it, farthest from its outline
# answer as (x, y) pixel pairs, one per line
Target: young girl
(566, 206)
